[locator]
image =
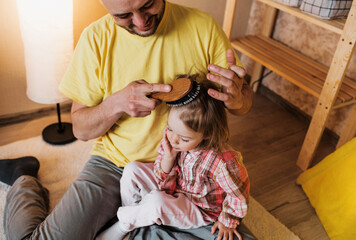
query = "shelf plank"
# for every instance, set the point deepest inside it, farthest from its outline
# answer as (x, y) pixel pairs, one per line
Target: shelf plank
(304, 65)
(275, 67)
(324, 69)
(291, 65)
(332, 25)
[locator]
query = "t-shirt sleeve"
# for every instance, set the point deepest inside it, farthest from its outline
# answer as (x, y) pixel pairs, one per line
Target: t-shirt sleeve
(82, 82)
(219, 45)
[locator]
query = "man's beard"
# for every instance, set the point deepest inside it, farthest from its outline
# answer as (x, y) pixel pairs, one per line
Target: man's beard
(156, 18)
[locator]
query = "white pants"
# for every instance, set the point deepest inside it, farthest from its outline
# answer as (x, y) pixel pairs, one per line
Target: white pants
(143, 204)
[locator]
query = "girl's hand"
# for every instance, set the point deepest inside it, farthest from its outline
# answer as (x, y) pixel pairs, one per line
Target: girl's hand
(169, 153)
(224, 232)
(169, 156)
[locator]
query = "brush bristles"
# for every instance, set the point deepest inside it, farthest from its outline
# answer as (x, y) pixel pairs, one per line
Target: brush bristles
(188, 97)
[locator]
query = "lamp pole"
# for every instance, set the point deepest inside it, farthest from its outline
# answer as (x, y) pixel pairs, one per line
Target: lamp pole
(58, 133)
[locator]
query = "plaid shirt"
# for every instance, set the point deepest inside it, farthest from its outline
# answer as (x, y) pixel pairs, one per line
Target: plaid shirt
(217, 183)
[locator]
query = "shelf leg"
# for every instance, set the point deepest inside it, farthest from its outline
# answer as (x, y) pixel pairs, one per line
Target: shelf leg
(330, 90)
(314, 134)
(256, 74)
(229, 14)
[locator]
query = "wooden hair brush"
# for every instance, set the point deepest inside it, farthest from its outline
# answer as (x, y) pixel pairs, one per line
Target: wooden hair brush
(183, 91)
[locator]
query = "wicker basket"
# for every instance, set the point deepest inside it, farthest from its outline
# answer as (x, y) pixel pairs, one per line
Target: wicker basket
(327, 8)
(292, 3)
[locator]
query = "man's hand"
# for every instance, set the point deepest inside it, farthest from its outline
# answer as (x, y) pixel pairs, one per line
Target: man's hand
(224, 232)
(93, 122)
(236, 93)
(133, 98)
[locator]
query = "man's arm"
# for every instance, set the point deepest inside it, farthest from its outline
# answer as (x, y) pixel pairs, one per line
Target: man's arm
(236, 93)
(246, 99)
(93, 122)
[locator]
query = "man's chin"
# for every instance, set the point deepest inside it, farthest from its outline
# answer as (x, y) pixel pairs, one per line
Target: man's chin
(145, 33)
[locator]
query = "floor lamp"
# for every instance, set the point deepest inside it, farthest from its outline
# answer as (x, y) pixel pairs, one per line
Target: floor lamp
(47, 33)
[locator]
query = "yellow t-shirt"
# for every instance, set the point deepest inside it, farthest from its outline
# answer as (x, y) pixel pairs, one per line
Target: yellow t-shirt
(107, 58)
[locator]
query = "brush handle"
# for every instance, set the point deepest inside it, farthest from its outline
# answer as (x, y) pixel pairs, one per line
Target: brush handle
(180, 88)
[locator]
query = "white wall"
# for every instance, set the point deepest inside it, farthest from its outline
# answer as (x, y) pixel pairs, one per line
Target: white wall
(216, 9)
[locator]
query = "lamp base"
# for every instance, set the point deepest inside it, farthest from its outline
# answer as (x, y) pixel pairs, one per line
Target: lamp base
(54, 135)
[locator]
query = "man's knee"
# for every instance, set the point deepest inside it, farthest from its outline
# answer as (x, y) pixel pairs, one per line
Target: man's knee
(26, 207)
(99, 172)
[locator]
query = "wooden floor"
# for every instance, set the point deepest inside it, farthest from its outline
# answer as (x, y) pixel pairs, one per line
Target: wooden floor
(269, 138)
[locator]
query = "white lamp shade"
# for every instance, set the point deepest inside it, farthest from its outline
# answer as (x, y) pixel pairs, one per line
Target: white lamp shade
(47, 33)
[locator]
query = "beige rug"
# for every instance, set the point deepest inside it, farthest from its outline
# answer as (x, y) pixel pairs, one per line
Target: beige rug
(61, 164)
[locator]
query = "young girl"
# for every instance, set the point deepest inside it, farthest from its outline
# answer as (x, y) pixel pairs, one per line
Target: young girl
(197, 178)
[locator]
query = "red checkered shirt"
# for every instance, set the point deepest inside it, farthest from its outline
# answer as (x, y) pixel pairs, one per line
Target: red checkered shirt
(217, 183)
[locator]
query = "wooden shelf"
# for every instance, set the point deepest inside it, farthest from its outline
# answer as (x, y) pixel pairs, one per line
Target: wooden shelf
(328, 84)
(292, 65)
(332, 25)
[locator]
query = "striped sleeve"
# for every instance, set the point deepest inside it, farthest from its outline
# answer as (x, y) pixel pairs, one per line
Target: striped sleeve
(233, 179)
(166, 181)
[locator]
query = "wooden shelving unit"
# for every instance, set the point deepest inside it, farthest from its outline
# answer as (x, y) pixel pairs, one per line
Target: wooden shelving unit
(328, 84)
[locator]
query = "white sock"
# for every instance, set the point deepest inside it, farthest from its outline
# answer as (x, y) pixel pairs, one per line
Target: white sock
(115, 232)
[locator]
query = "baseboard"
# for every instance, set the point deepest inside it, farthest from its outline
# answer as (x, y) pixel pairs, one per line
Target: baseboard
(328, 135)
(31, 115)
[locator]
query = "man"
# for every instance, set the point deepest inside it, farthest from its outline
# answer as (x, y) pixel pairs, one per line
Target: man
(135, 50)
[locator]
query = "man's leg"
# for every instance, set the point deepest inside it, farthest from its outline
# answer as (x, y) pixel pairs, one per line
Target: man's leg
(136, 182)
(12, 169)
(172, 233)
(90, 202)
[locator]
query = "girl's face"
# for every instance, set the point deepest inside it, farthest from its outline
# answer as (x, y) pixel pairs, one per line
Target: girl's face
(179, 135)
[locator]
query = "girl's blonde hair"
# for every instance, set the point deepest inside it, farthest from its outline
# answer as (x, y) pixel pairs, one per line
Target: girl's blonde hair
(207, 116)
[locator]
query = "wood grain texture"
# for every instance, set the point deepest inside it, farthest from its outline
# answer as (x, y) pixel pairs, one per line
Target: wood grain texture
(269, 139)
(330, 90)
(334, 26)
(180, 88)
(229, 14)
